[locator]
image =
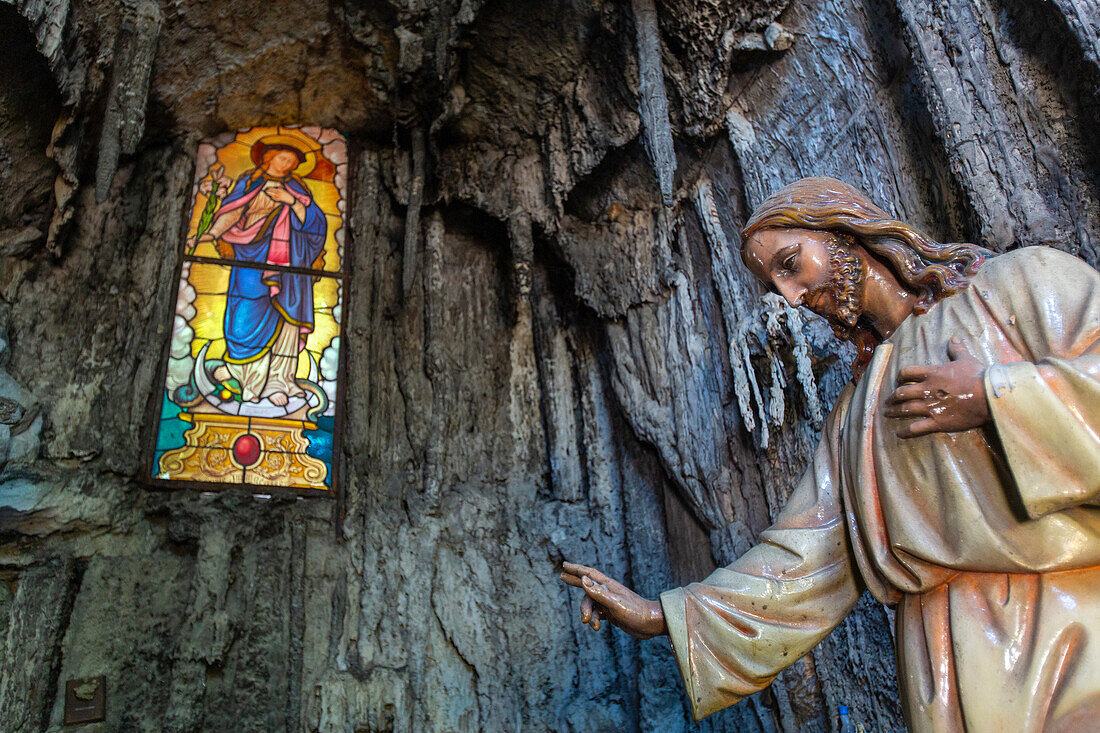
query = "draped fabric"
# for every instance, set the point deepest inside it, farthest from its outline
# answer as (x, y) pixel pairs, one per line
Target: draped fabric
(987, 540)
(260, 301)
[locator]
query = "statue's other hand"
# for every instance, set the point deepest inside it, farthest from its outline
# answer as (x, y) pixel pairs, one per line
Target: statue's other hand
(608, 599)
(944, 398)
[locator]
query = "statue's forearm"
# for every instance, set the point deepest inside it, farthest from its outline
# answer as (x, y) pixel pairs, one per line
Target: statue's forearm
(655, 624)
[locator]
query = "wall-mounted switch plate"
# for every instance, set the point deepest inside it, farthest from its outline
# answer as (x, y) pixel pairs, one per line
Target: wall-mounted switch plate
(86, 700)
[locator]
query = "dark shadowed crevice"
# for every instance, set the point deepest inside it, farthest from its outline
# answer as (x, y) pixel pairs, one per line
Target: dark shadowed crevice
(72, 575)
(29, 107)
(954, 219)
(623, 180)
(1043, 33)
(689, 549)
(556, 307)
(483, 231)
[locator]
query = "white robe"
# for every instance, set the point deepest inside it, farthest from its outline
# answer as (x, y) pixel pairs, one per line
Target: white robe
(988, 540)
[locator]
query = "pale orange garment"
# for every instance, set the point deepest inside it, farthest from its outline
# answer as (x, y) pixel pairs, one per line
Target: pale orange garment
(988, 541)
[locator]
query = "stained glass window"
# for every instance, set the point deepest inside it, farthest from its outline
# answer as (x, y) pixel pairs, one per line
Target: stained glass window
(252, 380)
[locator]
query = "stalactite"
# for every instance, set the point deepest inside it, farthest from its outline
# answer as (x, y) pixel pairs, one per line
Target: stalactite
(652, 98)
(523, 255)
(434, 277)
(729, 295)
(777, 317)
(743, 139)
(124, 118)
(781, 321)
(772, 313)
(744, 361)
(412, 218)
(804, 370)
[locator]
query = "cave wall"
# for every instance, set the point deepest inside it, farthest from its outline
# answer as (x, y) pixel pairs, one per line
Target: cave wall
(541, 306)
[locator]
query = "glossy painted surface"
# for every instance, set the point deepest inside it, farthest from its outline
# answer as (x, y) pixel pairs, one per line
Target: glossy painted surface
(986, 539)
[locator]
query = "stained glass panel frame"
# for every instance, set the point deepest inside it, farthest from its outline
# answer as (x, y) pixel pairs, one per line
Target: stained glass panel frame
(200, 445)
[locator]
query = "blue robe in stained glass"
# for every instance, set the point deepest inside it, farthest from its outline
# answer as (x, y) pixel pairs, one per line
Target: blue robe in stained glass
(259, 301)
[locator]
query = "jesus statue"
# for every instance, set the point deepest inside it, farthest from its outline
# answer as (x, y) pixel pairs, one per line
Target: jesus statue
(957, 479)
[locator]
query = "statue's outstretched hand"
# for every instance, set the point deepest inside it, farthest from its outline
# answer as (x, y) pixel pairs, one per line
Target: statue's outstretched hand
(945, 398)
(608, 599)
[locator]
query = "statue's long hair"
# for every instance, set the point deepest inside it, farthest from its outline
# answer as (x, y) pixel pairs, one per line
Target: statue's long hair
(931, 269)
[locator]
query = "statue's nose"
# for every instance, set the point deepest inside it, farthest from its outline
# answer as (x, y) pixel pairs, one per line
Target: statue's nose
(793, 294)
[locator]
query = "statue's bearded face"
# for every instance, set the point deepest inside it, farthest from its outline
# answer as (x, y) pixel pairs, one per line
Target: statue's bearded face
(812, 268)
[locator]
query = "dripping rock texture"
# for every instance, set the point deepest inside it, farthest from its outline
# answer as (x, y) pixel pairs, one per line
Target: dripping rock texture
(553, 351)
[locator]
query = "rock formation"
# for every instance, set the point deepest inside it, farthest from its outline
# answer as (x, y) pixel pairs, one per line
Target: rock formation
(553, 352)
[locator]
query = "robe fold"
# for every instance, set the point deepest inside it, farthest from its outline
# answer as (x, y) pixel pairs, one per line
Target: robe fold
(986, 540)
(268, 311)
(259, 301)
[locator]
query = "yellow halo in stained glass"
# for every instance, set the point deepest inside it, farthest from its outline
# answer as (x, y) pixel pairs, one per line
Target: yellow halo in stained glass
(297, 142)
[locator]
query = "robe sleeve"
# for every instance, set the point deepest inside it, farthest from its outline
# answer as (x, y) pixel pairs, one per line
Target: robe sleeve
(736, 630)
(1047, 411)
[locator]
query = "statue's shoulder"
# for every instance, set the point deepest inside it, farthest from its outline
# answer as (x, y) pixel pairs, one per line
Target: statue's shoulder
(1031, 265)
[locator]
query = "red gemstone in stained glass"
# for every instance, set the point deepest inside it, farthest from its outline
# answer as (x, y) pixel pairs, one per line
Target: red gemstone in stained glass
(246, 449)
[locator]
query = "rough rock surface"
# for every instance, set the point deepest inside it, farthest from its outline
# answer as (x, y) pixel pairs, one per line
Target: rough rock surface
(553, 352)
